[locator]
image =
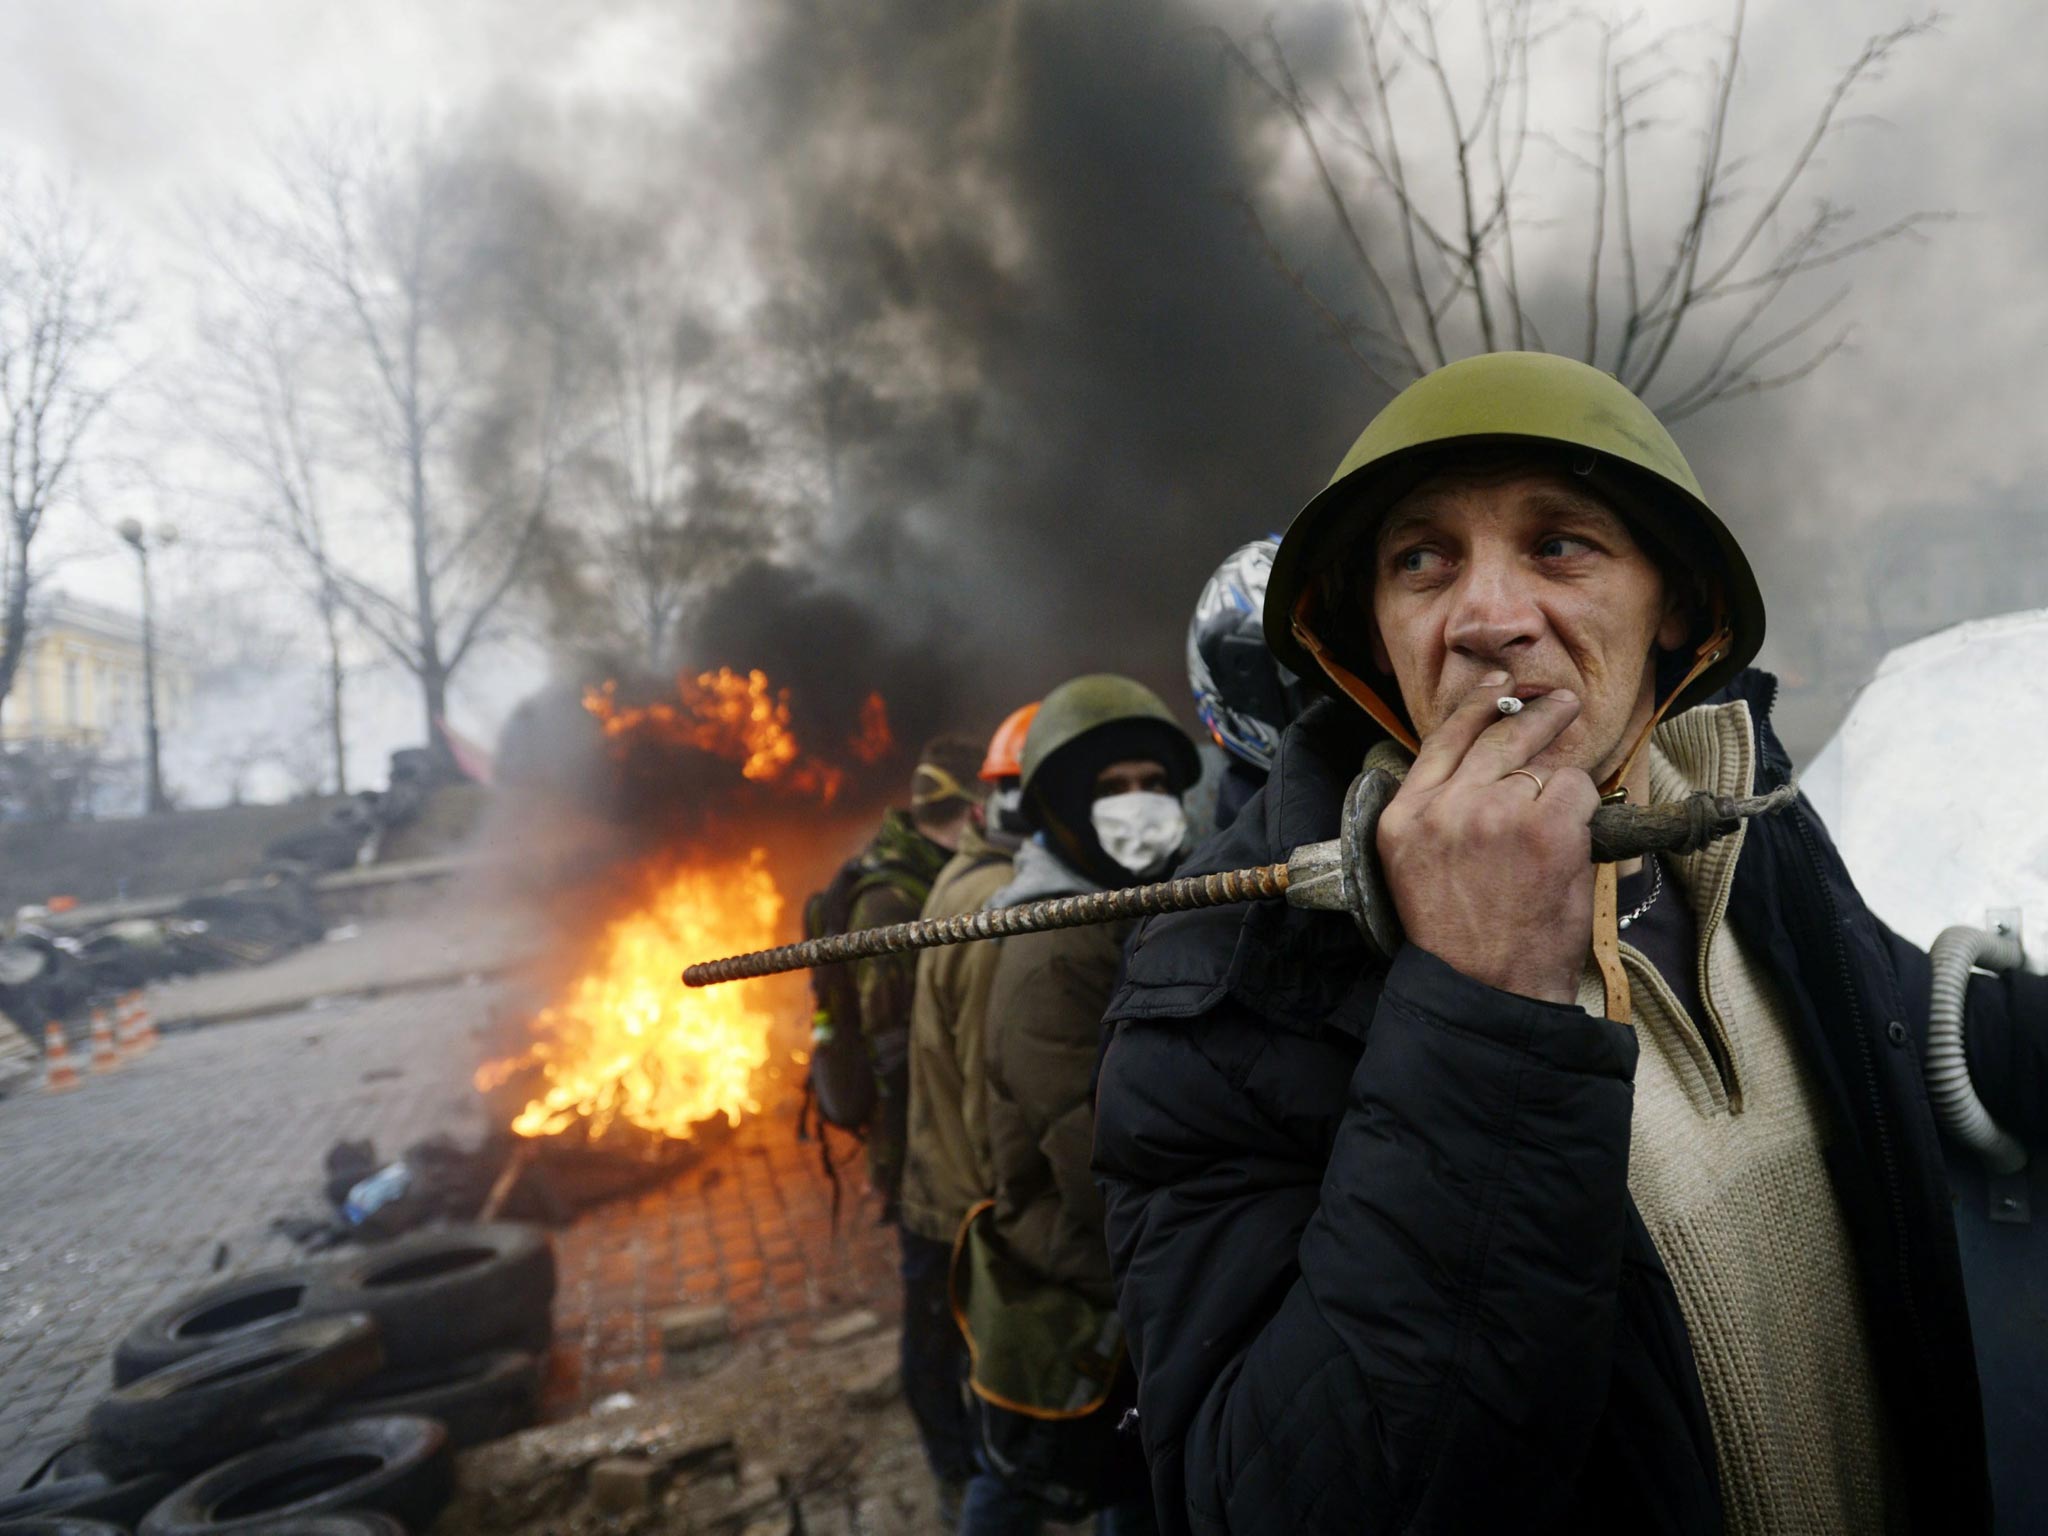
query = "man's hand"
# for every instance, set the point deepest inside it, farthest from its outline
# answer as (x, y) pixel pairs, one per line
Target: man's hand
(1490, 876)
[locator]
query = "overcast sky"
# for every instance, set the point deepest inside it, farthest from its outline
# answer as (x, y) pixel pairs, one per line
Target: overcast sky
(160, 104)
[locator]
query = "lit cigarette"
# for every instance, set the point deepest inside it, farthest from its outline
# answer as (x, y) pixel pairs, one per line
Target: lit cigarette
(1509, 705)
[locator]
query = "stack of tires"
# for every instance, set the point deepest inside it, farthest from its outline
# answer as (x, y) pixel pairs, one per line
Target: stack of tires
(326, 1400)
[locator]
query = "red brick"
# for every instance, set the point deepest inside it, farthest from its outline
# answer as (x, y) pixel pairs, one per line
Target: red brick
(758, 1237)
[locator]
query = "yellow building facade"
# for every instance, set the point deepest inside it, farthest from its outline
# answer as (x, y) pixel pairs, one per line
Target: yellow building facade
(81, 681)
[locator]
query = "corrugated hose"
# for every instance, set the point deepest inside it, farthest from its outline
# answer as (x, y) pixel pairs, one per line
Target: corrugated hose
(1946, 1066)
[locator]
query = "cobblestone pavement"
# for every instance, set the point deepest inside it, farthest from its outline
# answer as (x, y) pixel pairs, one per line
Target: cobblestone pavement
(751, 1227)
(163, 1174)
(121, 1193)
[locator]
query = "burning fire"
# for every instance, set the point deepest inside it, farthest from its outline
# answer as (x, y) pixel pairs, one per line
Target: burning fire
(742, 718)
(628, 1042)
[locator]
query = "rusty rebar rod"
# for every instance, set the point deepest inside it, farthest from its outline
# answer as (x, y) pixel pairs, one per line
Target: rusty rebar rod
(1334, 876)
(1184, 895)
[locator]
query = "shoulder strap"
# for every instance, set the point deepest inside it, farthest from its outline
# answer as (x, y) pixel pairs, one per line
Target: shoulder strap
(892, 875)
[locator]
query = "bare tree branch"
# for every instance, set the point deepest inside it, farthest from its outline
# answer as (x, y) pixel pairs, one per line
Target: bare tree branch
(1288, 93)
(420, 338)
(1447, 270)
(1342, 330)
(1665, 318)
(1395, 174)
(1739, 378)
(64, 310)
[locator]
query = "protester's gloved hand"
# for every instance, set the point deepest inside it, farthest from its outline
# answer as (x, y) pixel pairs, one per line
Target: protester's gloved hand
(1488, 875)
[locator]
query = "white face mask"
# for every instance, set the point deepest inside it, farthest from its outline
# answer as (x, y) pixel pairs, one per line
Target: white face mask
(1005, 816)
(1142, 831)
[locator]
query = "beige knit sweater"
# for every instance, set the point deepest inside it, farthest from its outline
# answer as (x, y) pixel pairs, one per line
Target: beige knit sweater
(1725, 1166)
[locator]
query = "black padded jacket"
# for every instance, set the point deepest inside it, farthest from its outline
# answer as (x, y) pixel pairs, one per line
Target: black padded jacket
(1370, 1223)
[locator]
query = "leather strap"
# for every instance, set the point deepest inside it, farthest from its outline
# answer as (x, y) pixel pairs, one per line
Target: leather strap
(1607, 942)
(1607, 877)
(1711, 650)
(1353, 687)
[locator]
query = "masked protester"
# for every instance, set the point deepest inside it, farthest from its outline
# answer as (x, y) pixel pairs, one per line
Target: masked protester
(1003, 772)
(1104, 767)
(1613, 1201)
(899, 866)
(1242, 694)
(946, 1164)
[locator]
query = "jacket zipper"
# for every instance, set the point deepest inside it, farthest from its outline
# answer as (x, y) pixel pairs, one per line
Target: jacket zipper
(1869, 1060)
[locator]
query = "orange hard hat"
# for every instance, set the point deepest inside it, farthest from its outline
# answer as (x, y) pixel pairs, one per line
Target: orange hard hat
(1005, 758)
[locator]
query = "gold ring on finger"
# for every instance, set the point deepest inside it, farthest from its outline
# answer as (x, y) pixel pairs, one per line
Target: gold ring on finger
(1526, 774)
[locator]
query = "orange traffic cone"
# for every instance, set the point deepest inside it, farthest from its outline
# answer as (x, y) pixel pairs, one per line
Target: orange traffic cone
(104, 1055)
(141, 1024)
(58, 1071)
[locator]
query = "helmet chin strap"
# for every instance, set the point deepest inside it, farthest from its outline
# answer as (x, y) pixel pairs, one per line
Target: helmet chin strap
(1606, 877)
(1711, 650)
(1349, 683)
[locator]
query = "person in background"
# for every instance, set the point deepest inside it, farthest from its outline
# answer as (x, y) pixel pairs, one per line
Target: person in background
(946, 1166)
(1242, 694)
(898, 868)
(1104, 767)
(1003, 772)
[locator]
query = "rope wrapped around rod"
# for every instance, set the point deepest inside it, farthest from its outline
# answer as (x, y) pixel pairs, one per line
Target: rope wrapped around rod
(1622, 832)
(1318, 880)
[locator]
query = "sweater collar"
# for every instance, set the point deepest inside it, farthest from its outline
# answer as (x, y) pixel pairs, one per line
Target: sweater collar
(1712, 747)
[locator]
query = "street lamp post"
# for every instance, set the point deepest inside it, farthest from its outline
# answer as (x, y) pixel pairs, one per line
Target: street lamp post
(132, 532)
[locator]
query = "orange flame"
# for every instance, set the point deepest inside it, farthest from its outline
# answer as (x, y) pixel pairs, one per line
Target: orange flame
(875, 740)
(742, 718)
(628, 1042)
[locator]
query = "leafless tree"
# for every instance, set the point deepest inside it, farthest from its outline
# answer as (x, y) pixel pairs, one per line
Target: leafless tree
(54, 781)
(444, 393)
(260, 358)
(63, 310)
(670, 479)
(248, 712)
(838, 381)
(1420, 149)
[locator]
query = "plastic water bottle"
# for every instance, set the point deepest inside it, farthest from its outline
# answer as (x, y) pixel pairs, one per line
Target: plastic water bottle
(384, 1187)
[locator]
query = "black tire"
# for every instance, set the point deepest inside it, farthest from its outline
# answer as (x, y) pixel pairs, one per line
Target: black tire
(43, 1460)
(223, 1401)
(479, 1398)
(438, 1296)
(399, 1466)
(58, 1525)
(90, 1496)
(213, 1314)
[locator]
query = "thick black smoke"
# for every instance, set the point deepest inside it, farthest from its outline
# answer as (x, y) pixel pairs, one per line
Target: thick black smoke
(1032, 371)
(1045, 207)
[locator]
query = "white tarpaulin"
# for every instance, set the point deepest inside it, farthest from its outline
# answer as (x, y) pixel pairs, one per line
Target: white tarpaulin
(1935, 787)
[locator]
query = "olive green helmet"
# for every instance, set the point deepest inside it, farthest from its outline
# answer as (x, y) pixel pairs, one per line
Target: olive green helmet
(1084, 705)
(1505, 399)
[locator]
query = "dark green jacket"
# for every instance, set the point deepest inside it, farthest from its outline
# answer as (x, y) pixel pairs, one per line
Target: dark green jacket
(946, 1170)
(1045, 1010)
(904, 863)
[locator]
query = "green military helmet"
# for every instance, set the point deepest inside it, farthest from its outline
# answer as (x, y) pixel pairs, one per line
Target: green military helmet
(1500, 400)
(1083, 706)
